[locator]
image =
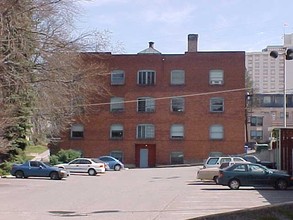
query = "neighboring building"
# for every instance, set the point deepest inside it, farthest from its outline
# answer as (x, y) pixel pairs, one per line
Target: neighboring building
(166, 108)
(267, 75)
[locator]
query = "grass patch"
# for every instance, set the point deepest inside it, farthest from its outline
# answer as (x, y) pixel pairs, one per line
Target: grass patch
(37, 149)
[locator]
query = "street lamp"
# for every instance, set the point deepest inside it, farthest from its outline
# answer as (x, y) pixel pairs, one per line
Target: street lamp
(288, 56)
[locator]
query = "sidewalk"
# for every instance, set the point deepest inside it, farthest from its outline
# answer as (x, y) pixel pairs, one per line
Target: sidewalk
(42, 157)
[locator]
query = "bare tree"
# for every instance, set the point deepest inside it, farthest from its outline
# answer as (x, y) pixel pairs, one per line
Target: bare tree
(45, 79)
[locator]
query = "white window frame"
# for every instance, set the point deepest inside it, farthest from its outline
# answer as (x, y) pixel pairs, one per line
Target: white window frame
(116, 128)
(216, 132)
(145, 131)
(77, 129)
(117, 104)
(146, 104)
(177, 131)
(217, 104)
(117, 77)
(256, 121)
(216, 77)
(177, 104)
(146, 77)
(177, 77)
(256, 134)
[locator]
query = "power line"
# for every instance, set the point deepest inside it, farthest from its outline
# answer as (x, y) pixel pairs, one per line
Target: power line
(165, 97)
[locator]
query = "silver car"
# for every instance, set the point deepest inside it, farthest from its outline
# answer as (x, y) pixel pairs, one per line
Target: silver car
(91, 166)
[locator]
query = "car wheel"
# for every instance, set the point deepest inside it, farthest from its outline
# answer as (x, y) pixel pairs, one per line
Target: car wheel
(281, 184)
(92, 172)
(215, 178)
(54, 176)
(117, 167)
(234, 184)
(19, 174)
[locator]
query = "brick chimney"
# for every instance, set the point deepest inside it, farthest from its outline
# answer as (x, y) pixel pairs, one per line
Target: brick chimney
(192, 42)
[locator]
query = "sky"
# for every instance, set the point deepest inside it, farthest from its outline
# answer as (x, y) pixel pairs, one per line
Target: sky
(222, 25)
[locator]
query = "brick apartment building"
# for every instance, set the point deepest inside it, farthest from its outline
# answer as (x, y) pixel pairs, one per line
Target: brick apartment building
(166, 108)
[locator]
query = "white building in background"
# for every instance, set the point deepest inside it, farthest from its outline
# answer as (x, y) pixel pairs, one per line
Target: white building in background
(267, 76)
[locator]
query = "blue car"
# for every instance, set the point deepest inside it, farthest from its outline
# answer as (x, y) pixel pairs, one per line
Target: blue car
(112, 163)
(37, 169)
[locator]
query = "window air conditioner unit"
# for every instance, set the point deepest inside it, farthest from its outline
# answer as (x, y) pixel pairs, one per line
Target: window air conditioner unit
(216, 82)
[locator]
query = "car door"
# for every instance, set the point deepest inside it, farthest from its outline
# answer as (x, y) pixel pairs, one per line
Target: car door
(73, 166)
(37, 169)
(84, 165)
(224, 160)
(257, 175)
(109, 161)
(240, 172)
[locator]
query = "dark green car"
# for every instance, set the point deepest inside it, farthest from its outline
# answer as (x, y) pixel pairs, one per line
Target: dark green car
(250, 174)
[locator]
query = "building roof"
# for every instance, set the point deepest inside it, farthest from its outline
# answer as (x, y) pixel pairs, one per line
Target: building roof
(150, 50)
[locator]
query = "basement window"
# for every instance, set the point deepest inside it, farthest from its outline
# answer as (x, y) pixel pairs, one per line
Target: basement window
(177, 158)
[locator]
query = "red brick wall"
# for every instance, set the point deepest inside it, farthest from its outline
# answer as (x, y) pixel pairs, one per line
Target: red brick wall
(196, 118)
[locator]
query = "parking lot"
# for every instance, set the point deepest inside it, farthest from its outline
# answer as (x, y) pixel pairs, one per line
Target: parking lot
(155, 193)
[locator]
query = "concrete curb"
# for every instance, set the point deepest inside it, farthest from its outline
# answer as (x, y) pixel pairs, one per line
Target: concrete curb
(7, 176)
(282, 211)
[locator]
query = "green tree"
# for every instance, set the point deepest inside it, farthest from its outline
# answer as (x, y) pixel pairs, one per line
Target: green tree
(45, 79)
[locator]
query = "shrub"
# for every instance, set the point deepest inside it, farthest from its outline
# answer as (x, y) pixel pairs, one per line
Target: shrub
(64, 156)
(54, 159)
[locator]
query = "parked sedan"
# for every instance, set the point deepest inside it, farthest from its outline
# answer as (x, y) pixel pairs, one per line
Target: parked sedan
(212, 173)
(255, 159)
(91, 166)
(112, 162)
(37, 169)
(249, 174)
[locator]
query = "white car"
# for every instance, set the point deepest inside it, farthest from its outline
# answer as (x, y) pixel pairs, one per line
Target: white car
(91, 166)
(217, 161)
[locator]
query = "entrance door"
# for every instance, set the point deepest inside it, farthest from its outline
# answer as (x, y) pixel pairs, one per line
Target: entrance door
(144, 158)
(145, 155)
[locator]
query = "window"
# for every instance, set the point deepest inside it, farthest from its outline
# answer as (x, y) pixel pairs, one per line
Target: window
(35, 164)
(240, 168)
(116, 131)
(77, 131)
(177, 104)
(145, 131)
(117, 104)
(282, 114)
(177, 131)
(256, 135)
(177, 77)
(117, 154)
(216, 104)
(267, 99)
(145, 104)
(146, 77)
(117, 77)
(256, 121)
(216, 132)
(216, 77)
(225, 160)
(177, 158)
(255, 169)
